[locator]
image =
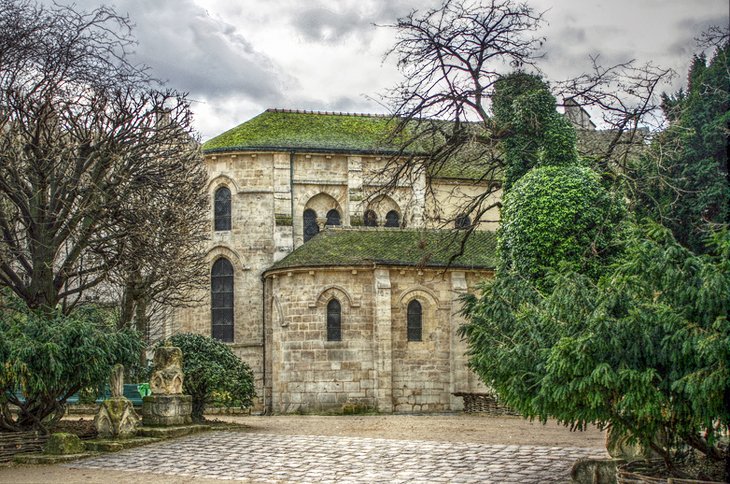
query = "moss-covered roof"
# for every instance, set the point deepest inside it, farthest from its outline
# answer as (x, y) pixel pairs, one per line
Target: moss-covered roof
(314, 131)
(280, 129)
(399, 247)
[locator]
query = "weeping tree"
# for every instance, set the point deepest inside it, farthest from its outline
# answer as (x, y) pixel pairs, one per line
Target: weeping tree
(48, 356)
(101, 181)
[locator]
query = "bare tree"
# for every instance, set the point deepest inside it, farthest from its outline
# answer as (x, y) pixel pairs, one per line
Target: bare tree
(451, 57)
(101, 179)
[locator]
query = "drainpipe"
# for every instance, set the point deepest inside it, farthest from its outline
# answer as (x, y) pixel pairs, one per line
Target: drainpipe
(263, 341)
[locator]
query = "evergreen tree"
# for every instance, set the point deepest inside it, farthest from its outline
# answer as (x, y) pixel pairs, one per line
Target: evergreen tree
(683, 180)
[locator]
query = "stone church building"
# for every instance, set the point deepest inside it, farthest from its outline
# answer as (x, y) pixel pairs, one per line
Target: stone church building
(335, 291)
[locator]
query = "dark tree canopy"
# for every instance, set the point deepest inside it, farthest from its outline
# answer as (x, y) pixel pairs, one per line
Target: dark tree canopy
(684, 181)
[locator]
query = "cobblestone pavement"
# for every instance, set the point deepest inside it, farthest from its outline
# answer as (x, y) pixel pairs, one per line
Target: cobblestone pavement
(313, 459)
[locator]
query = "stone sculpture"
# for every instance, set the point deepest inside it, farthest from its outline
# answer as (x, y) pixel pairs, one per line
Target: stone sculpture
(116, 417)
(167, 405)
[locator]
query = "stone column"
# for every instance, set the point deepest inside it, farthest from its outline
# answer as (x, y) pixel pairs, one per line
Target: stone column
(283, 216)
(459, 381)
(354, 189)
(383, 340)
(419, 201)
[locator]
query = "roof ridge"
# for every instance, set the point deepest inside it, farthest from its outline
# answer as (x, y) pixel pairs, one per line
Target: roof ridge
(327, 113)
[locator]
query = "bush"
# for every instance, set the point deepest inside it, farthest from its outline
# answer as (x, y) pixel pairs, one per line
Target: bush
(46, 356)
(213, 374)
(557, 215)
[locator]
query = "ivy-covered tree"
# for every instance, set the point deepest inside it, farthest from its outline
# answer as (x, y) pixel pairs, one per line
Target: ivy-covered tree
(213, 374)
(555, 211)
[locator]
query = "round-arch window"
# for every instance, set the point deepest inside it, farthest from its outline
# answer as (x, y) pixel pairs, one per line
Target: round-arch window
(310, 224)
(222, 209)
(415, 321)
(333, 217)
(392, 219)
(334, 320)
(370, 219)
(221, 300)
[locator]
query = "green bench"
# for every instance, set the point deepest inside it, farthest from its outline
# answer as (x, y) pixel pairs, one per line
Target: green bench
(130, 391)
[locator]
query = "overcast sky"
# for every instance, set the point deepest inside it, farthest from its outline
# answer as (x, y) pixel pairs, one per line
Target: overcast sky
(237, 58)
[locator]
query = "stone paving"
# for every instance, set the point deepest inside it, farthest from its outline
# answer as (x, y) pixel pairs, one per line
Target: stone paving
(313, 459)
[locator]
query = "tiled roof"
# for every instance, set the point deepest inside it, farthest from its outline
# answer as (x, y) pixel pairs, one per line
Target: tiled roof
(399, 247)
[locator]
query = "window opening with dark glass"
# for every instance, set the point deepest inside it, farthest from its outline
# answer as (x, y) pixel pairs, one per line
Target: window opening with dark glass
(415, 321)
(370, 219)
(222, 209)
(392, 219)
(333, 217)
(310, 224)
(462, 222)
(334, 321)
(221, 288)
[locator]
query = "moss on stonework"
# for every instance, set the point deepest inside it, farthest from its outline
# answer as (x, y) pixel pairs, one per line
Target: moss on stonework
(283, 220)
(64, 444)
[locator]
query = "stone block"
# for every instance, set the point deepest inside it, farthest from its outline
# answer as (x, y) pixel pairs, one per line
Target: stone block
(64, 444)
(167, 409)
(595, 471)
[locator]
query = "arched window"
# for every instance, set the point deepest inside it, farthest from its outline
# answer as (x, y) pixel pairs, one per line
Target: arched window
(415, 321)
(222, 209)
(462, 221)
(334, 320)
(221, 300)
(370, 219)
(392, 219)
(310, 224)
(333, 217)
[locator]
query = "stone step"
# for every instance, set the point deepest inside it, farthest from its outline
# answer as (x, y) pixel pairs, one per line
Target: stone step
(170, 432)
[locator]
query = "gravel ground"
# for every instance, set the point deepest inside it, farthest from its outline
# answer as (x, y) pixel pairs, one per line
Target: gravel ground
(438, 428)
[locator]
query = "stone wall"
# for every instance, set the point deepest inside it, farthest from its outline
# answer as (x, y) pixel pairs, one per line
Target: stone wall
(309, 373)
(374, 365)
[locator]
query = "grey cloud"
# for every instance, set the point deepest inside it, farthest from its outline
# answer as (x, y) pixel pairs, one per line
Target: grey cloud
(319, 24)
(336, 22)
(196, 53)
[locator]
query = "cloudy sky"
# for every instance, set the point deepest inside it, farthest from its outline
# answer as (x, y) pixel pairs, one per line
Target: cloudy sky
(238, 57)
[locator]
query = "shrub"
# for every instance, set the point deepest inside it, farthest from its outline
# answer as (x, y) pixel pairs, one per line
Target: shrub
(46, 356)
(557, 215)
(213, 374)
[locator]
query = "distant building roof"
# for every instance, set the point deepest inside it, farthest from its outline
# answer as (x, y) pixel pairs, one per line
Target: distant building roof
(398, 247)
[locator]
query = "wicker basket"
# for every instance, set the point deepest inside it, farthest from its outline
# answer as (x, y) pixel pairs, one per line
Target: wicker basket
(641, 472)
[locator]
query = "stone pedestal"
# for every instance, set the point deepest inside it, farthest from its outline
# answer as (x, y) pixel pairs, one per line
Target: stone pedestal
(167, 409)
(116, 418)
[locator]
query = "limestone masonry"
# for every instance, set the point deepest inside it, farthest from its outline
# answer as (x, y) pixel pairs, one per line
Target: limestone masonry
(334, 290)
